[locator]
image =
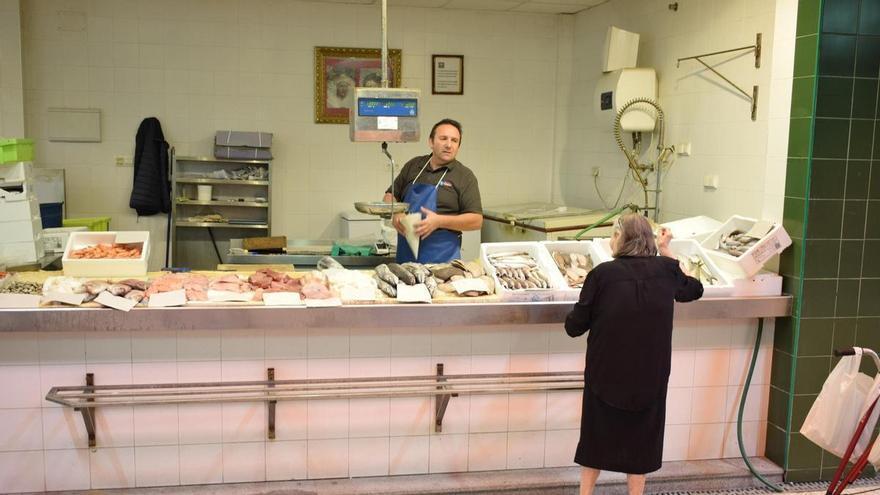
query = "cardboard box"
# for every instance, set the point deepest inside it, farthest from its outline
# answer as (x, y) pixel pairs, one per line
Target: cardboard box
(773, 242)
(117, 267)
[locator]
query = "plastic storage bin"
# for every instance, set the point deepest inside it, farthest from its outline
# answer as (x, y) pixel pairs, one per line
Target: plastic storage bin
(541, 257)
(587, 248)
(773, 242)
(16, 150)
(96, 224)
(50, 213)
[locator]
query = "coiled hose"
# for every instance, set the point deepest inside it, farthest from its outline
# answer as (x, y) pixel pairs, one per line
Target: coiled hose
(630, 158)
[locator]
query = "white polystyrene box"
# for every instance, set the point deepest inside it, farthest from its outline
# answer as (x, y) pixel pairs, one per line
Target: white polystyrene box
(750, 262)
(697, 228)
(603, 248)
(588, 248)
(690, 247)
(119, 267)
(541, 257)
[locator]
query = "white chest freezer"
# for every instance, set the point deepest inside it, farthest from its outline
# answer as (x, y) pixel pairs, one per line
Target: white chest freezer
(541, 222)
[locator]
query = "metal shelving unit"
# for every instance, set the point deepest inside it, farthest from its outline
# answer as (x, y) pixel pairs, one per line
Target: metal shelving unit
(194, 244)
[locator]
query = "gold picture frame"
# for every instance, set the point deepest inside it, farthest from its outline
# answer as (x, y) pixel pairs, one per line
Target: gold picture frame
(338, 70)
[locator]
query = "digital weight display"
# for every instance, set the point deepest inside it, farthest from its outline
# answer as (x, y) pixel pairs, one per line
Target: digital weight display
(388, 107)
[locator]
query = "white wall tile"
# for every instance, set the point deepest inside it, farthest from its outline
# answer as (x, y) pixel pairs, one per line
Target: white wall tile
(63, 428)
(328, 343)
(711, 367)
(408, 455)
(490, 340)
(450, 341)
(708, 404)
(242, 345)
(531, 339)
(157, 466)
(20, 348)
(198, 345)
(244, 422)
(155, 345)
(525, 449)
(488, 413)
(529, 363)
(757, 403)
(559, 447)
(370, 342)
(286, 343)
(244, 462)
(368, 457)
(110, 373)
(62, 347)
(676, 442)
(411, 415)
(527, 411)
(21, 471)
(201, 464)
(369, 418)
(740, 360)
(712, 334)
(328, 368)
(328, 418)
(564, 409)
(286, 460)
(754, 439)
(200, 371)
(487, 451)
(681, 372)
(410, 341)
(112, 467)
(154, 372)
(67, 469)
(156, 425)
(22, 429)
(328, 458)
(572, 361)
(108, 347)
(448, 453)
(706, 441)
(21, 386)
(114, 426)
(200, 423)
(238, 371)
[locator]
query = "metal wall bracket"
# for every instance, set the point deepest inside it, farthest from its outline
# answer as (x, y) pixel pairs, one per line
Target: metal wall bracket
(270, 375)
(88, 413)
(440, 401)
(753, 98)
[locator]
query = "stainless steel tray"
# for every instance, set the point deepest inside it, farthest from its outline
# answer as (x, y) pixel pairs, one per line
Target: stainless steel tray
(380, 208)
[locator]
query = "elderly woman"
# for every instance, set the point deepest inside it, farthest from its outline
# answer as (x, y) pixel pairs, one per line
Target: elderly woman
(626, 305)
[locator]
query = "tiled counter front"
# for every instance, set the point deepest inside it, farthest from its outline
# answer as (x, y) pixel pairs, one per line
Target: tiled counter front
(44, 446)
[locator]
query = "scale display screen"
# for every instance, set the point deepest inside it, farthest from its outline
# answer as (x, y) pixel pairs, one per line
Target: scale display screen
(388, 107)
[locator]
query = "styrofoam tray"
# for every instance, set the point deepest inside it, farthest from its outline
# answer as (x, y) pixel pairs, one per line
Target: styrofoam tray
(588, 248)
(541, 257)
(120, 267)
(750, 262)
(690, 247)
(697, 228)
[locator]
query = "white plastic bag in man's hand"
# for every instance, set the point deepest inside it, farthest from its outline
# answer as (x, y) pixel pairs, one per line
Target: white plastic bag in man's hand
(840, 405)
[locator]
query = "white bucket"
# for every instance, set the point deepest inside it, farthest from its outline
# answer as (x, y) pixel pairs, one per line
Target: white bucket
(204, 193)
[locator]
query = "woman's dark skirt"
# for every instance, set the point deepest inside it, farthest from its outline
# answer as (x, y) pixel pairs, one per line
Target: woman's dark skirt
(618, 440)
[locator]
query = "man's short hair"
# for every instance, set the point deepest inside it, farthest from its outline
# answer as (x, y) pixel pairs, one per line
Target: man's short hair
(453, 123)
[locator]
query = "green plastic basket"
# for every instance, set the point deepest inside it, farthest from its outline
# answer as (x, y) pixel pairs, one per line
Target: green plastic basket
(96, 224)
(16, 150)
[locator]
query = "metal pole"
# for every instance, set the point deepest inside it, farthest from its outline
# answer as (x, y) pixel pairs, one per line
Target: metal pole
(385, 45)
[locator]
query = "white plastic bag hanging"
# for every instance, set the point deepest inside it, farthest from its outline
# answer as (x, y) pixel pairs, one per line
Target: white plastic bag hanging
(839, 407)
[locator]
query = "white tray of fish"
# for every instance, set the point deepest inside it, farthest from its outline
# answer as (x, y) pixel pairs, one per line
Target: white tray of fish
(573, 261)
(744, 245)
(694, 259)
(603, 248)
(523, 271)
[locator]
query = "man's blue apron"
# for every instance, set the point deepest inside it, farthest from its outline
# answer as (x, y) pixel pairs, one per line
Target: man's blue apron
(442, 245)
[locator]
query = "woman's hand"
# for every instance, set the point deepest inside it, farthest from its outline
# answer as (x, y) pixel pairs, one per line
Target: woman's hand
(663, 238)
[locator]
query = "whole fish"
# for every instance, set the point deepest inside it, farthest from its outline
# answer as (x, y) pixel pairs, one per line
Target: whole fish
(402, 273)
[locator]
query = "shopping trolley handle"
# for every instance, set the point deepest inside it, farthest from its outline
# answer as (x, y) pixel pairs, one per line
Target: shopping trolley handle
(851, 351)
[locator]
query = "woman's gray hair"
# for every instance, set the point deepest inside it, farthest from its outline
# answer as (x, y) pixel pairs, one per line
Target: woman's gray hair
(636, 236)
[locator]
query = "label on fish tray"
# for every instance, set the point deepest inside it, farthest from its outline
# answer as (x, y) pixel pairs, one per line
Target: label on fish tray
(282, 299)
(20, 301)
(65, 297)
(413, 293)
(463, 285)
(165, 299)
(107, 299)
(322, 303)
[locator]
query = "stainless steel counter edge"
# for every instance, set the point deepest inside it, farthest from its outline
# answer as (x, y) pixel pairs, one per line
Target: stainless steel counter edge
(365, 316)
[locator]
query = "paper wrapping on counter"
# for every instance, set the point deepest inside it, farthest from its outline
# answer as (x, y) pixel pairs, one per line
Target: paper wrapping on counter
(409, 222)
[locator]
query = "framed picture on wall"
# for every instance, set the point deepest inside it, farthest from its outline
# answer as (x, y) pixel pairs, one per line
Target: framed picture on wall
(339, 70)
(447, 74)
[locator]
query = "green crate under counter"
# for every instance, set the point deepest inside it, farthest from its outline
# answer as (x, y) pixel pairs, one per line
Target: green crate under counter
(16, 150)
(95, 224)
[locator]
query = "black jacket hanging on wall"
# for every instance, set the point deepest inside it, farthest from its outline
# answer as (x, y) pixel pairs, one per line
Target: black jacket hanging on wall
(151, 190)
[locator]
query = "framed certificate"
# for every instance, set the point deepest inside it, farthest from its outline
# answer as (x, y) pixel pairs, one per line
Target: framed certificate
(447, 74)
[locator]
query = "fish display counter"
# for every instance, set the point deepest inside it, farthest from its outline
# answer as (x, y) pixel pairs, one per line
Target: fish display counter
(503, 314)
